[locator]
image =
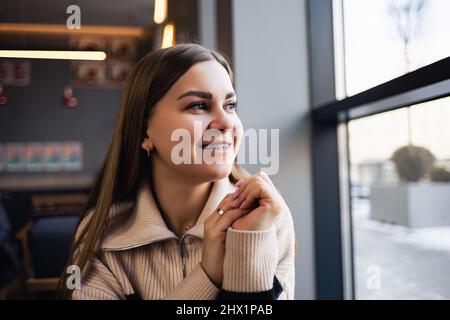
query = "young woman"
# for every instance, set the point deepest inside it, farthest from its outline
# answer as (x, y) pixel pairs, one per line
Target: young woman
(155, 228)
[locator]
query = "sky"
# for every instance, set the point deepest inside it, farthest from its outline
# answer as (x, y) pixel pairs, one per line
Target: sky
(374, 54)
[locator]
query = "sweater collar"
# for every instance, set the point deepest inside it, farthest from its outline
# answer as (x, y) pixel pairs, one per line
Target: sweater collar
(143, 224)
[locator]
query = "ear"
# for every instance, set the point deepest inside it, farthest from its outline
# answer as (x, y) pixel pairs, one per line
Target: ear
(147, 144)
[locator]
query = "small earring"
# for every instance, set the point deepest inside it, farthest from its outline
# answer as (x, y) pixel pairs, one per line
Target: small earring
(148, 152)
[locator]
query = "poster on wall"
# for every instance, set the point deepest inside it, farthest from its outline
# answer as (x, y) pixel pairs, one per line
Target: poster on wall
(121, 48)
(112, 72)
(15, 157)
(54, 156)
(35, 157)
(88, 43)
(2, 158)
(6, 72)
(21, 73)
(73, 156)
(118, 72)
(88, 73)
(15, 73)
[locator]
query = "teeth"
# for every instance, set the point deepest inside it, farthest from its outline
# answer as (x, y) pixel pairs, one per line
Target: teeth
(219, 146)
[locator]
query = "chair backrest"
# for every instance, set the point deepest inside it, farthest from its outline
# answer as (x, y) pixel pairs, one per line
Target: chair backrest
(50, 240)
(18, 208)
(9, 252)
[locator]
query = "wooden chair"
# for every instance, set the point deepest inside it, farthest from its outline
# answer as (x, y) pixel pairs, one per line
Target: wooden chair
(49, 209)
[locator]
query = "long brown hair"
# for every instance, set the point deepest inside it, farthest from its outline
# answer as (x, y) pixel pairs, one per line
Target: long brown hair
(126, 162)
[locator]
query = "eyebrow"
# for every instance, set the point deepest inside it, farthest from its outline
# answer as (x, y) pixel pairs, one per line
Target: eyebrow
(204, 95)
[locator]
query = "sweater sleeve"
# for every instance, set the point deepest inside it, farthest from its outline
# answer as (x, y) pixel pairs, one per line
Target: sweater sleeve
(259, 261)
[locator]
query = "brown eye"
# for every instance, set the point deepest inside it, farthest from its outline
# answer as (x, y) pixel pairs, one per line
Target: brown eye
(198, 106)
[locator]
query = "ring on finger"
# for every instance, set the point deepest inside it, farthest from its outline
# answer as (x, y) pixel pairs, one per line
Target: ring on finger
(220, 211)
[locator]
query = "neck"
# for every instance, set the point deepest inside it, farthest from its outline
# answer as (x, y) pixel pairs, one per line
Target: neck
(180, 201)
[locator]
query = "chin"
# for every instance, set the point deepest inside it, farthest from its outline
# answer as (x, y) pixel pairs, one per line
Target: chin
(213, 172)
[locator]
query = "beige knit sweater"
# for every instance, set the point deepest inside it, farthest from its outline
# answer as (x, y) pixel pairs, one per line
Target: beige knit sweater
(140, 255)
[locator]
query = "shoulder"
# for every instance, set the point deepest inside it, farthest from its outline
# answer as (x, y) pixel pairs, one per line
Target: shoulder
(116, 212)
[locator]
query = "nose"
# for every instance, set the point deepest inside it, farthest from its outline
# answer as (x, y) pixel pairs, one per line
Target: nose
(222, 121)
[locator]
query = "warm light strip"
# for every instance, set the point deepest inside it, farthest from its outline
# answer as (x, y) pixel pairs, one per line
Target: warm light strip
(168, 36)
(47, 54)
(62, 29)
(160, 13)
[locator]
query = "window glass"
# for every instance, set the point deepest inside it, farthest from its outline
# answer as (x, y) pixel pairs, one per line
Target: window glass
(385, 39)
(400, 187)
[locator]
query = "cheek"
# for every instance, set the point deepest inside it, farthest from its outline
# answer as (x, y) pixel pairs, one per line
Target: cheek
(182, 130)
(239, 133)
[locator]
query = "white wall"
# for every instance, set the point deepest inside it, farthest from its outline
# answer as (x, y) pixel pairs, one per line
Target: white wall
(272, 83)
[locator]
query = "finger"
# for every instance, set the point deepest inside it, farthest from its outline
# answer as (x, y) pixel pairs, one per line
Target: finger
(266, 177)
(277, 193)
(258, 191)
(241, 185)
(256, 184)
(272, 187)
(227, 219)
(242, 194)
(243, 190)
(253, 195)
(225, 205)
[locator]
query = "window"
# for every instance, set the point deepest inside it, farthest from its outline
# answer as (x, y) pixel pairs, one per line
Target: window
(387, 38)
(399, 160)
(400, 205)
(381, 156)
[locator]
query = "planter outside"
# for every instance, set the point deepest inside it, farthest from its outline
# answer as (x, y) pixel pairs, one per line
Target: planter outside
(415, 205)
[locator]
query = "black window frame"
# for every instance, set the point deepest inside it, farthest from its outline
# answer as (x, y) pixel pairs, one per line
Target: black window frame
(331, 197)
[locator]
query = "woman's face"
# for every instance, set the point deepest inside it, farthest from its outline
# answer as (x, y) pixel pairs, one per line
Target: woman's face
(198, 109)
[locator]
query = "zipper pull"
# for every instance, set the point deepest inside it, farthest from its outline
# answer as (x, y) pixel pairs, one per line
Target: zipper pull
(183, 256)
